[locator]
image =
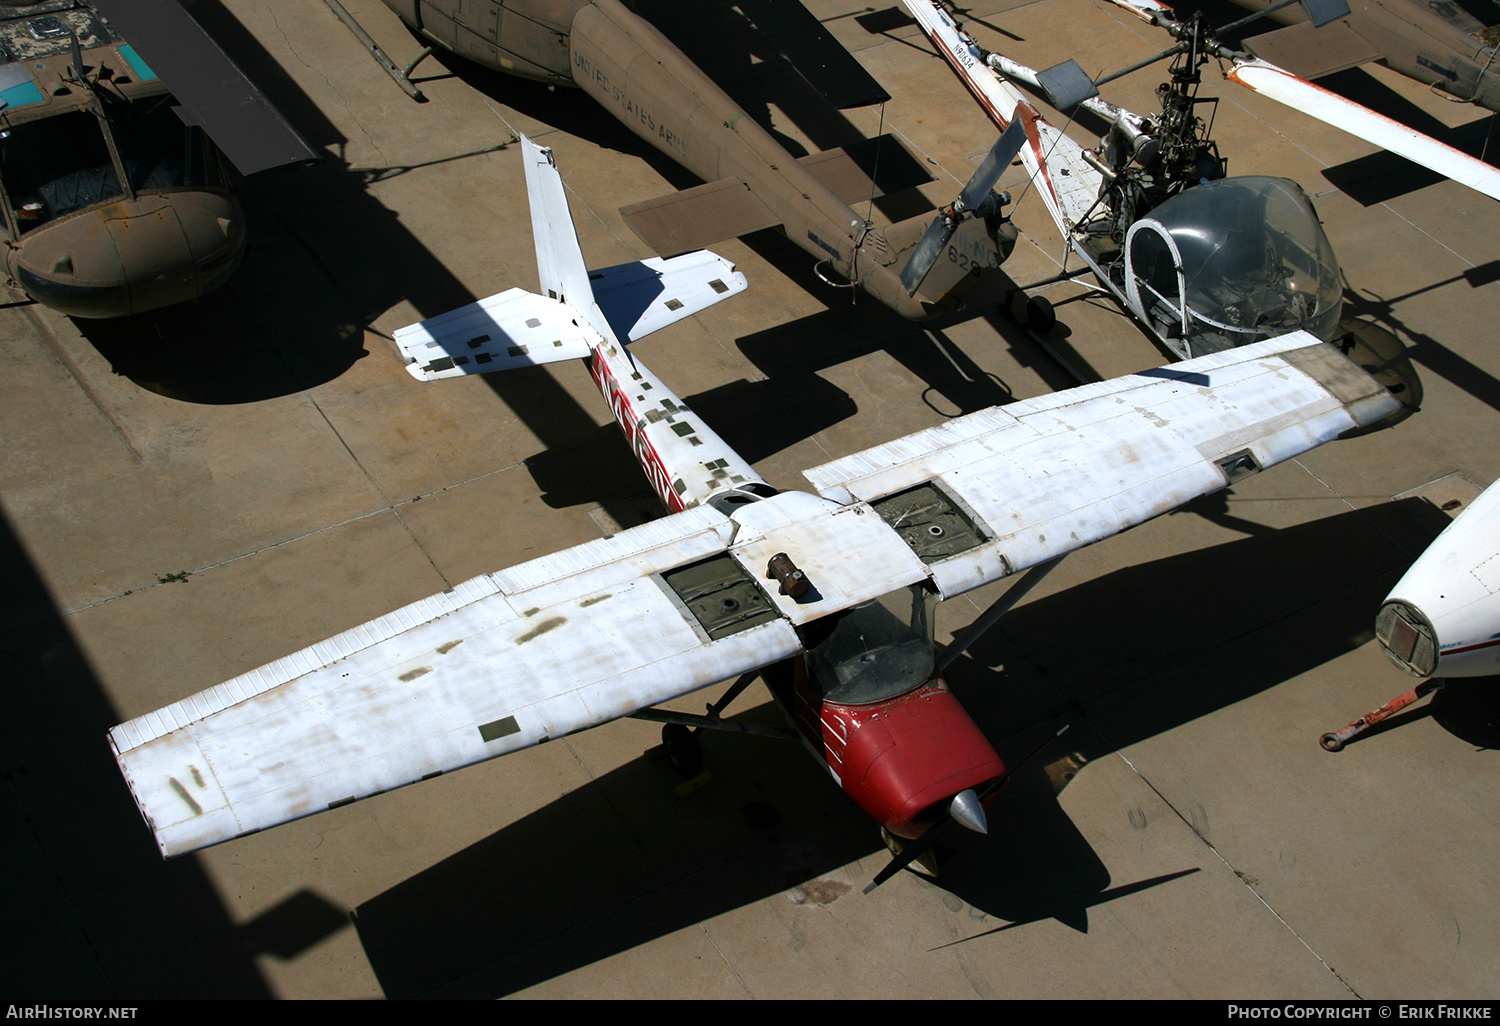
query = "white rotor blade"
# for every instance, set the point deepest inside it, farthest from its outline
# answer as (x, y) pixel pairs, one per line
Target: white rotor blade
(1281, 85)
(1143, 8)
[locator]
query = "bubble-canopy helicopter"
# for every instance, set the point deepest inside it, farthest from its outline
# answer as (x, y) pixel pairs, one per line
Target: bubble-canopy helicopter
(1204, 261)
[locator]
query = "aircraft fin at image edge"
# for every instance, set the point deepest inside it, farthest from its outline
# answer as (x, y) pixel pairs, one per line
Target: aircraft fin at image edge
(592, 633)
(211, 90)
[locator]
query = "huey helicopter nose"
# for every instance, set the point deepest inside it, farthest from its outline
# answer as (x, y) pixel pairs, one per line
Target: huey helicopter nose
(968, 812)
(132, 256)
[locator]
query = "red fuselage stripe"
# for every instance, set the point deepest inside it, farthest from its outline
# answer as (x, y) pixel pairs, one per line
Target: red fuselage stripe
(630, 425)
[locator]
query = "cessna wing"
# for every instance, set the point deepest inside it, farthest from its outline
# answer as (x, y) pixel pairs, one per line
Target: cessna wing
(598, 631)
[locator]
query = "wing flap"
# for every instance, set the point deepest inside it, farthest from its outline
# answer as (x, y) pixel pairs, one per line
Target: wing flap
(498, 664)
(694, 218)
(1049, 475)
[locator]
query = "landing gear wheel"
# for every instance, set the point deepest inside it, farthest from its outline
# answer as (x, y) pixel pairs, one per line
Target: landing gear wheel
(1040, 317)
(683, 749)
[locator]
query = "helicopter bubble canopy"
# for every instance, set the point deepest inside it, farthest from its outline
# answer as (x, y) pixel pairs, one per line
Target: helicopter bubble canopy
(1233, 261)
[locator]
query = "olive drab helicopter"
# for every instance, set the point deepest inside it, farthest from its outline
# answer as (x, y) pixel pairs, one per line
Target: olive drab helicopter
(1202, 260)
(630, 68)
(115, 200)
(829, 593)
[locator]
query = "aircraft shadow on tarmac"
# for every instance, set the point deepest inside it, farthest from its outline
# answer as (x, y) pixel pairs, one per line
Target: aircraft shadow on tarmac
(92, 911)
(623, 860)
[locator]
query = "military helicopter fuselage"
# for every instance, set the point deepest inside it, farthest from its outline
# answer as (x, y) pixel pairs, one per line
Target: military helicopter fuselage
(111, 205)
(657, 92)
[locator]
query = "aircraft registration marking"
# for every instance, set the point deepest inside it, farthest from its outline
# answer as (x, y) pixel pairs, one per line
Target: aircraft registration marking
(631, 424)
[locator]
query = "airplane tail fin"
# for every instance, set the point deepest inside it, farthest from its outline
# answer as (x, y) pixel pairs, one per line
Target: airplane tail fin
(559, 257)
(580, 309)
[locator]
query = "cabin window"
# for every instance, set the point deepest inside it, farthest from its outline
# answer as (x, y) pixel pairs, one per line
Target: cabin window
(56, 166)
(157, 149)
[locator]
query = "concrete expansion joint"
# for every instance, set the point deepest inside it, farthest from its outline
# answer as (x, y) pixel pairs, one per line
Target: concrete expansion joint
(1244, 878)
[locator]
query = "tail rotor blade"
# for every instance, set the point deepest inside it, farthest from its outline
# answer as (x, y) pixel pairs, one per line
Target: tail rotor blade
(994, 164)
(974, 193)
(925, 255)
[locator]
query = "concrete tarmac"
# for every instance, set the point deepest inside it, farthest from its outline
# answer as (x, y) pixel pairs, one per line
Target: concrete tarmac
(191, 494)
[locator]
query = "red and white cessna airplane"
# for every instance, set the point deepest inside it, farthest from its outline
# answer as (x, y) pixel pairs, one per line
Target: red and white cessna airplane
(834, 587)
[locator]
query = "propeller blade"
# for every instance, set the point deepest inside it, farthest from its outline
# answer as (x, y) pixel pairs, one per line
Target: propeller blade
(1281, 85)
(974, 193)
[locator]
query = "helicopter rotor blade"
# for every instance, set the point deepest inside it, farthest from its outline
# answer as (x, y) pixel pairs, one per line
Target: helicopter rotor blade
(974, 192)
(1329, 107)
(1283, 86)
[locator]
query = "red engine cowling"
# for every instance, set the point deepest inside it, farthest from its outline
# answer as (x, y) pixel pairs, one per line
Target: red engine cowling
(902, 759)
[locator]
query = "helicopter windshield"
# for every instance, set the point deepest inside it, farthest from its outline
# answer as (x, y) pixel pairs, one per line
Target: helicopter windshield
(877, 650)
(1254, 259)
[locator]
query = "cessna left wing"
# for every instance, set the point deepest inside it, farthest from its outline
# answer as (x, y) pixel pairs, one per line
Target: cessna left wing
(607, 628)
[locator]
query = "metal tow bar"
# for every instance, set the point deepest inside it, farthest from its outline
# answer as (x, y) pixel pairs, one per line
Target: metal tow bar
(1336, 740)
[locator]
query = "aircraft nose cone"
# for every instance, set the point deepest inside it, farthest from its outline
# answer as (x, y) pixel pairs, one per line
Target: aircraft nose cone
(967, 812)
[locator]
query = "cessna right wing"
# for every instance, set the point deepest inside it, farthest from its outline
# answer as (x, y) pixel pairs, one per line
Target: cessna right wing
(601, 630)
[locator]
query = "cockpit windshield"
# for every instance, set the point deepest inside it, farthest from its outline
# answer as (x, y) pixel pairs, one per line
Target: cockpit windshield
(1255, 260)
(56, 166)
(877, 650)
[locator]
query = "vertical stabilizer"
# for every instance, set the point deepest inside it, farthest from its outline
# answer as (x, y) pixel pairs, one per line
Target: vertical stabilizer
(559, 257)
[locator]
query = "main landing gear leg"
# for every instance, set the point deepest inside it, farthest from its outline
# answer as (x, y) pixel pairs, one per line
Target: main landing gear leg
(679, 733)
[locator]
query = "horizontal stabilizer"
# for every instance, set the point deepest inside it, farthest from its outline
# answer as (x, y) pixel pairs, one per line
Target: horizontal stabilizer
(646, 296)
(866, 169)
(694, 218)
(513, 329)
(520, 329)
(1314, 52)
